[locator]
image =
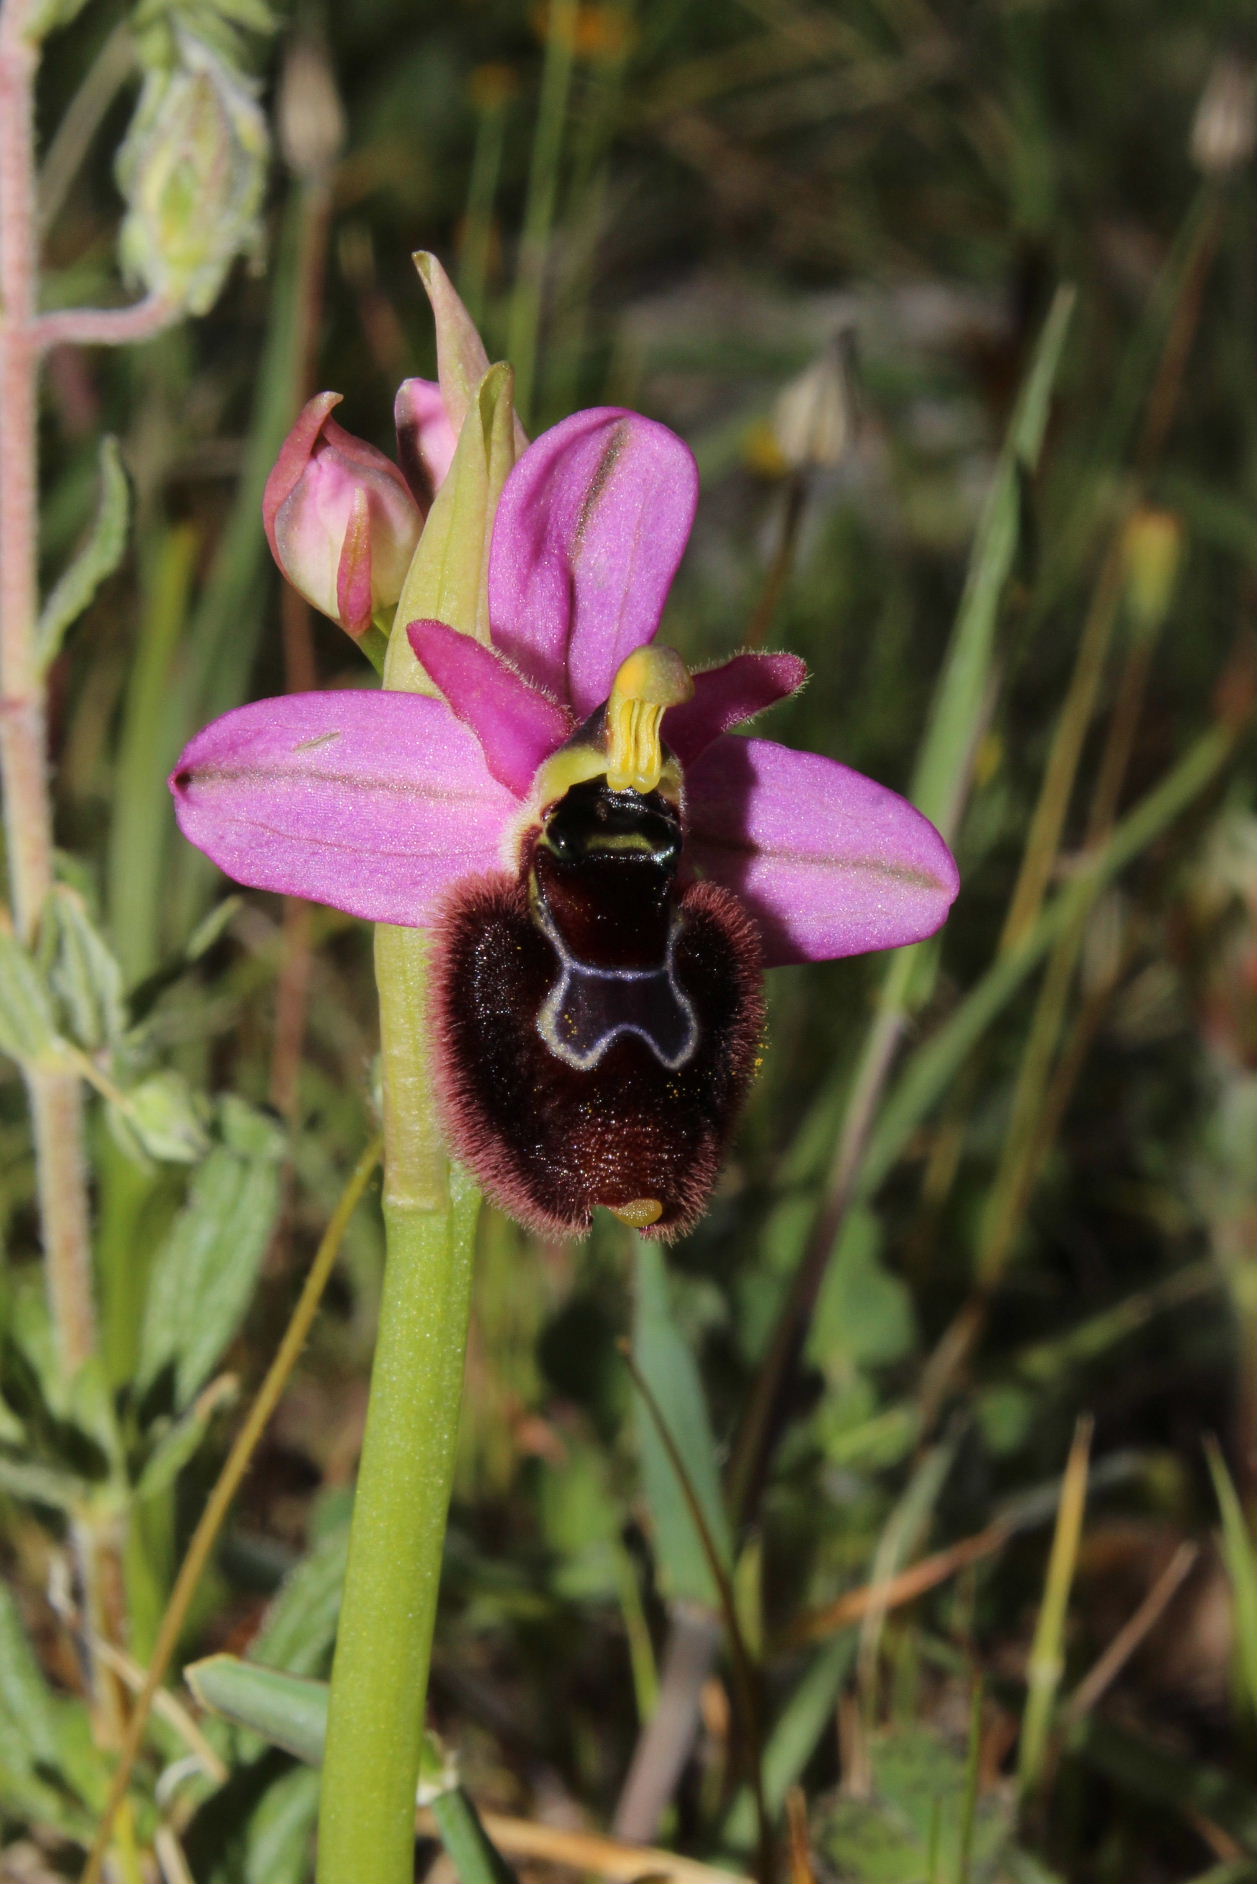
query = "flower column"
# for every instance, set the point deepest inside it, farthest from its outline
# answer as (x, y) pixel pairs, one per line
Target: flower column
(380, 1675)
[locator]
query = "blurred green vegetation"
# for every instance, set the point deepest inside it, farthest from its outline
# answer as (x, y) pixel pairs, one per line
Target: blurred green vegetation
(1005, 1180)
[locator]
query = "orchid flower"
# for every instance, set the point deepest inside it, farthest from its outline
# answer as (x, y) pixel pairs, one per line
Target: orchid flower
(410, 809)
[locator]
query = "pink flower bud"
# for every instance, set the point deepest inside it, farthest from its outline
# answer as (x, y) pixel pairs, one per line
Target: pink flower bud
(340, 519)
(426, 438)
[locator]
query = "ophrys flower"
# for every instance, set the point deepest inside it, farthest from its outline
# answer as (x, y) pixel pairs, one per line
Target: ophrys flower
(605, 869)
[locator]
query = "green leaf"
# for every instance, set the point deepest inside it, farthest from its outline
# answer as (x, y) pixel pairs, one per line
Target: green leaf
(794, 1738)
(475, 1858)
(52, 15)
(90, 1408)
(35, 1381)
(864, 1315)
(581, 1521)
(1143, 1768)
(939, 779)
(28, 1027)
(41, 1484)
(288, 1710)
(97, 559)
(299, 1629)
(1240, 1556)
(146, 994)
(82, 972)
(937, 1061)
(280, 1831)
(48, 1769)
(291, 1712)
(204, 1275)
(181, 1438)
(668, 1368)
(161, 1118)
(917, 1808)
(300, 1625)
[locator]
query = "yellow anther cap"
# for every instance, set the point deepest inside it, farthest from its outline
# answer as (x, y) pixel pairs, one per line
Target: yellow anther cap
(647, 684)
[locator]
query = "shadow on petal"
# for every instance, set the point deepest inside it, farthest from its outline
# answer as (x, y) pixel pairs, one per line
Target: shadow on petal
(827, 861)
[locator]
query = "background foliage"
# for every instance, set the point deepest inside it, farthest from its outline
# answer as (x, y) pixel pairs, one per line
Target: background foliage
(1047, 1214)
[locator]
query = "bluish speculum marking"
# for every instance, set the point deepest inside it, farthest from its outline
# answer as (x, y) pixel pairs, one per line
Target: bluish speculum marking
(602, 892)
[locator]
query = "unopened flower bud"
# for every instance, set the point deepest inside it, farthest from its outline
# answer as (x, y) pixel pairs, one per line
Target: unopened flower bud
(1224, 130)
(426, 438)
(1152, 550)
(340, 519)
(310, 116)
(191, 169)
(814, 419)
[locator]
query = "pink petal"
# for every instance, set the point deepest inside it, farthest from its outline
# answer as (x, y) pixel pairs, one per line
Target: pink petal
(590, 529)
(373, 802)
(517, 727)
(725, 696)
(426, 438)
(828, 862)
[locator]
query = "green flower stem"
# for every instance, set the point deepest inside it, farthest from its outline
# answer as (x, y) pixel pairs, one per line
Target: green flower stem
(383, 1647)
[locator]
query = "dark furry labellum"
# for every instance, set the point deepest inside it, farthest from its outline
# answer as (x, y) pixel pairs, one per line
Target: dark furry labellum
(597, 1025)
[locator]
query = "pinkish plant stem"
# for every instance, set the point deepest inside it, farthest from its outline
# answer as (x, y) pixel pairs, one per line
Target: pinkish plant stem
(105, 326)
(55, 1096)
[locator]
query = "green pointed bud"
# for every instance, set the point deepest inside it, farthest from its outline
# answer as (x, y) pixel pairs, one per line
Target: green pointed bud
(191, 169)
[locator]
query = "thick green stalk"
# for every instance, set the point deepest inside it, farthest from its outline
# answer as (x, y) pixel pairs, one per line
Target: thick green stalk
(383, 1645)
(380, 1675)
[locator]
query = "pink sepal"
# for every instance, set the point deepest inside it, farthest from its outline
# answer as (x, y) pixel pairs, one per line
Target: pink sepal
(373, 802)
(589, 532)
(827, 861)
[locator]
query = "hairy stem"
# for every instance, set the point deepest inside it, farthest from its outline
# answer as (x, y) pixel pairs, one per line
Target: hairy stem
(105, 326)
(28, 821)
(383, 1645)
(55, 1097)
